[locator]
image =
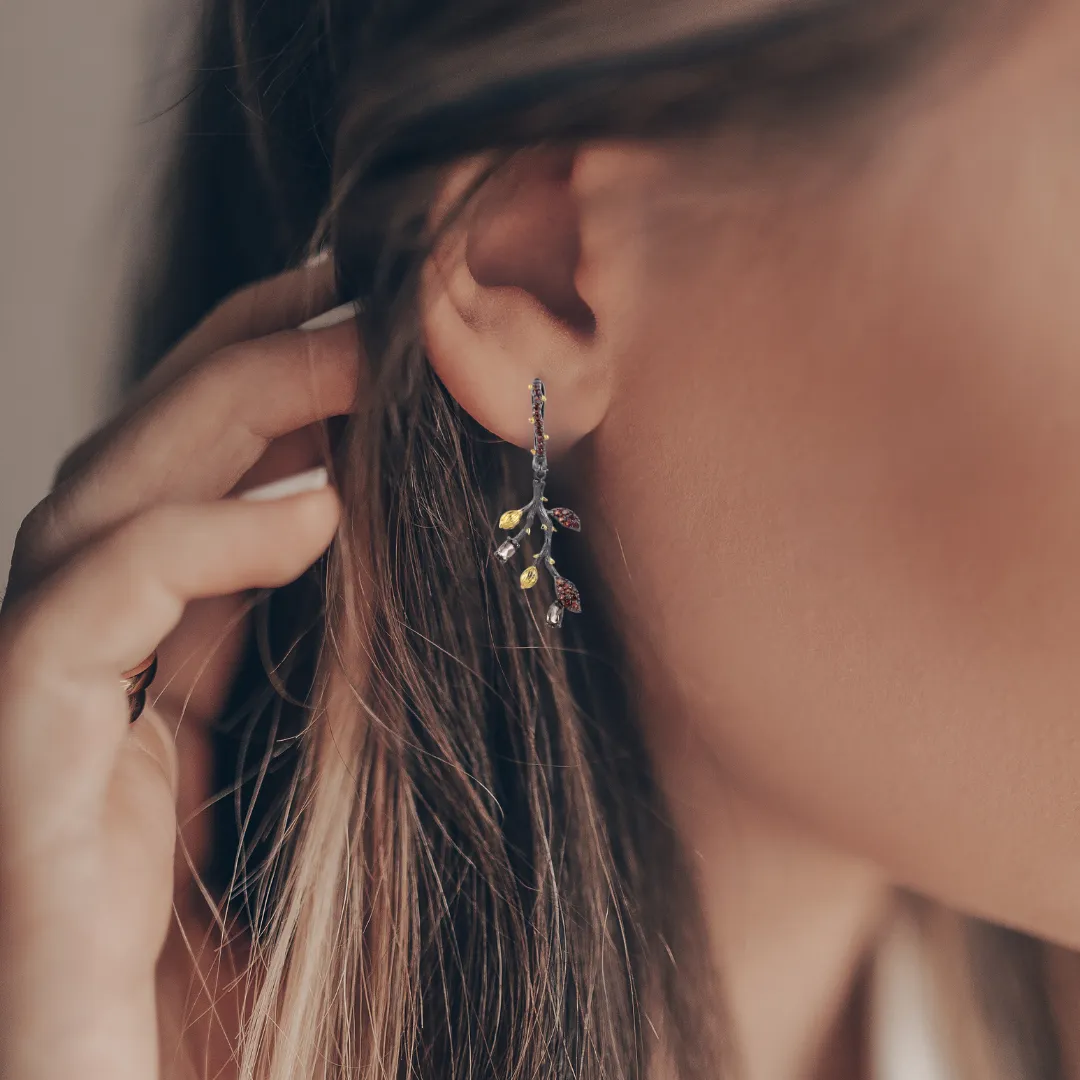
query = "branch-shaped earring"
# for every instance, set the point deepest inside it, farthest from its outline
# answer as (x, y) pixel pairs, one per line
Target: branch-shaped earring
(567, 597)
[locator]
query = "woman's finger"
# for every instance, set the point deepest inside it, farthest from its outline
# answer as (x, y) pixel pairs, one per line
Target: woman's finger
(197, 438)
(62, 648)
(264, 307)
(282, 302)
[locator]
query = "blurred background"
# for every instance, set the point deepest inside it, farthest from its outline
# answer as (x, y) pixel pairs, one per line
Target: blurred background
(87, 112)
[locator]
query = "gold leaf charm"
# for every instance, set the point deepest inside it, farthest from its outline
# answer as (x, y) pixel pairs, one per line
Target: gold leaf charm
(510, 519)
(529, 577)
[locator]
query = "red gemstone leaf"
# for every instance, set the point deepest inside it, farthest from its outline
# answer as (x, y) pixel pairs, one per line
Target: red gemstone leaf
(567, 518)
(567, 594)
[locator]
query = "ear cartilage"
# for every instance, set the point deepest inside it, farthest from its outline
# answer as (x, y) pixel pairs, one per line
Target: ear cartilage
(567, 597)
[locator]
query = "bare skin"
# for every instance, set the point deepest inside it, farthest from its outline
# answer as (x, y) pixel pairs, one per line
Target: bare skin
(827, 441)
(125, 867)
(826, 438)
(137, 535)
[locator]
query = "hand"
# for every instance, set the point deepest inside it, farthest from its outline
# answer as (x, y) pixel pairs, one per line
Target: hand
(104, 568)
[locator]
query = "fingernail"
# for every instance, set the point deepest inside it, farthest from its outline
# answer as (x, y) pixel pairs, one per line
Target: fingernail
(319, 257)
(311, 480)
(332, 317)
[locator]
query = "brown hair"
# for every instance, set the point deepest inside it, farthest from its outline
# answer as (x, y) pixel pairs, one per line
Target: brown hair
(467, 869)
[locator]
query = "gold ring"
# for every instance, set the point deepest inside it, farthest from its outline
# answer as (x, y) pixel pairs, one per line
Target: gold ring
(136, 680)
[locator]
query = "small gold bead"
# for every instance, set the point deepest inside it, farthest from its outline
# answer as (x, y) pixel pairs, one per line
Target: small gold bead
(528, 532)
(532, 419)
(546, 436)
(529, 577)
(532, 451)
(543, 397)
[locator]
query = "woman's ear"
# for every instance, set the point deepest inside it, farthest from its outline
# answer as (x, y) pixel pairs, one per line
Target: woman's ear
(503, 299)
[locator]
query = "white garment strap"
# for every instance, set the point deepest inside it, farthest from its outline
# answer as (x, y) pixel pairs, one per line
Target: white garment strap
(905, 1033)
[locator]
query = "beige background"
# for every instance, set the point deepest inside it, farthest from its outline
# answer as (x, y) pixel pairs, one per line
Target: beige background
(80, 157)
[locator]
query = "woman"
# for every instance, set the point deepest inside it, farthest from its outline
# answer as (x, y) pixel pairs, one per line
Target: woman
(790, 287)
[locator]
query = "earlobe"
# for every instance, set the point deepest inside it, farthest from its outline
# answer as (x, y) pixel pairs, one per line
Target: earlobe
(500, 304)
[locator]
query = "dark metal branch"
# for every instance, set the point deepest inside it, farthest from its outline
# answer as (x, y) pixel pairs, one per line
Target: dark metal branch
(567, 597)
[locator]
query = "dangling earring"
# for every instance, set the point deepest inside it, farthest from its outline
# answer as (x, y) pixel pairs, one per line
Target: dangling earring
(567, 597)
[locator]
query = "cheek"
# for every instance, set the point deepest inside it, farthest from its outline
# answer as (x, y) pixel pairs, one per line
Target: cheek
(868, 425)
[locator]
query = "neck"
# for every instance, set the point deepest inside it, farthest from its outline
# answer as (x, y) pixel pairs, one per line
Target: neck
(789, 919)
